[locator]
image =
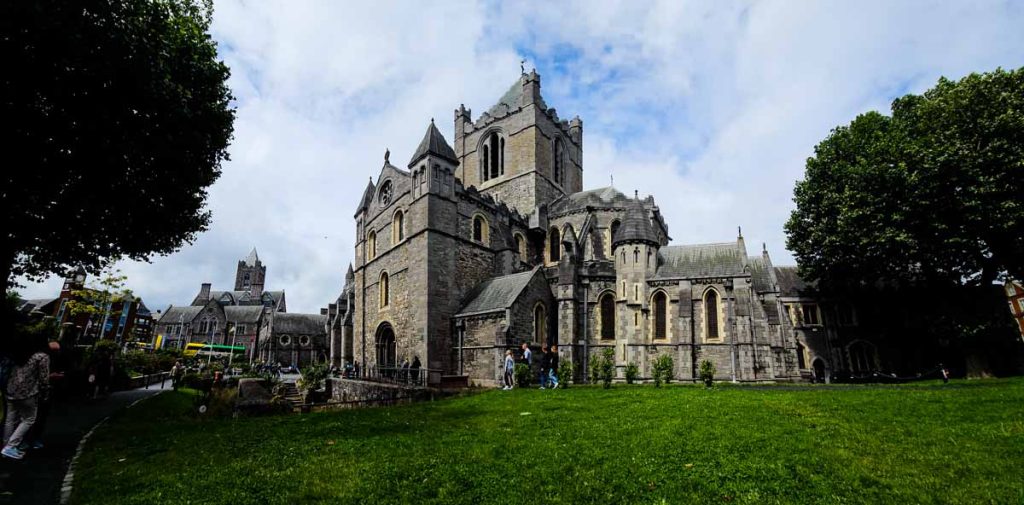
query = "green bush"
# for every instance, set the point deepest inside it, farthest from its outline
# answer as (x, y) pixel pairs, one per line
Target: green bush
(313, 378)
(632, 372)
(523, 374)
(663, 369)
(595, 369)
(707, 372)
(607, 366)
(565, 370)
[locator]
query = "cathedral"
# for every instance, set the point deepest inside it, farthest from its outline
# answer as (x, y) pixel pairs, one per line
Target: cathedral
(479, 245)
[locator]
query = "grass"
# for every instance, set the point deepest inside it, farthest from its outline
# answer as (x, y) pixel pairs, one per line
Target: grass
(956, 443)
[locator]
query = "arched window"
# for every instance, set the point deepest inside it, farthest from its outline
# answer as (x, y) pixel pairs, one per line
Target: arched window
(554, 245)
(862, 356)
(711, 315)
(615, 229)
(495, 155)
(660, 316)
(398, 228)
(521, 246)
(801, 359)
(607, 304)
(636, 255)
(501, 167)
(485, 166)
(371, 245)
(480, 229)
(540, 324)
(385, 289)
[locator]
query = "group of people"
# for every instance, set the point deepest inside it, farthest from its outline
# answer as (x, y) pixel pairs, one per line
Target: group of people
(548, 376)
(25, 377)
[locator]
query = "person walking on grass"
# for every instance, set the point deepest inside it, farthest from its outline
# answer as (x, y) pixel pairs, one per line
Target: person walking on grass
(553, 367)
(176, 373)
(527, 355)
(28, 385)
(510, 365)
(545, 363)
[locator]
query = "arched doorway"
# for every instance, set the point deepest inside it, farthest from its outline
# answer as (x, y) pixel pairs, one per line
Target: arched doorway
(819, 370)
(386, 348)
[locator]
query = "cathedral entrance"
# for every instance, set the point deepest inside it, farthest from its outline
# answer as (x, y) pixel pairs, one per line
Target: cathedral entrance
(386, 349)
(819, 370)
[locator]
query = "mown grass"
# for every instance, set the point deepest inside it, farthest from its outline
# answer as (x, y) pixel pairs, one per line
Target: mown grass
(956, 443)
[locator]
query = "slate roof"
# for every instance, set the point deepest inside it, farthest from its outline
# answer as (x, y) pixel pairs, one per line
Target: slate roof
(252, 258)
(143, 310)
(636, 226)
(367, 196)
(771, 310)
(510, 101)
(701, 260)
(433, 143)
(306, 324)
(790, 282)
(27, 306)
(495, 294)
(180, 314)
(243, 313)
(760, 276)
(600, 197)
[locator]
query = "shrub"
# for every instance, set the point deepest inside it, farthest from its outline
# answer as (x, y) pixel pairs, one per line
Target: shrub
(523, 374)
(707, 372)
(607, 366)
(663, 369)
(595, 369)
(632, 372)
(565, 370)
(313, 379)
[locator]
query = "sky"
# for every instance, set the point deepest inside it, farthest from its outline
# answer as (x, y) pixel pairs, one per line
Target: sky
(710, 106)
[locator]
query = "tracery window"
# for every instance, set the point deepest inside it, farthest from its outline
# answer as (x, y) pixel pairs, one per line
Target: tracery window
(711, 315)
(607, 304)
(660, 315)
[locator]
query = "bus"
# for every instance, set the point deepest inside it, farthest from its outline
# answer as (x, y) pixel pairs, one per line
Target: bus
(215, 350)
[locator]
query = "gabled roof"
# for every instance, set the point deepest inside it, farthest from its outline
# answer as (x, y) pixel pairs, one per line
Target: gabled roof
(243, 313)
(183, 314)
(433, 143)
(760, 276)
(307, 324)
(496, 294)
(790, 282)
(599, 197)
(702, 260)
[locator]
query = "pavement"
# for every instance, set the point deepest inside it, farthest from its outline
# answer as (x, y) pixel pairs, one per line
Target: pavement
(37, 479)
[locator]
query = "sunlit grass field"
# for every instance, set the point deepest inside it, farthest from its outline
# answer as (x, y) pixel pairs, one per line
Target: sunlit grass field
(927, 443)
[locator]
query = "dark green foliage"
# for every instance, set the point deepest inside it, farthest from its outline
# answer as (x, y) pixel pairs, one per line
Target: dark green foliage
(607, 366)
(923, 443)
(313, 378)
(664, 368)
(523, 374)
(632, 372)
(595, 369)
(707, 373)
(930, 195)
(117, 119)
(565, 371)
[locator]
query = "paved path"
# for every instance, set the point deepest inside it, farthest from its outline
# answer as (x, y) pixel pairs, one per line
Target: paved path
(37, 478)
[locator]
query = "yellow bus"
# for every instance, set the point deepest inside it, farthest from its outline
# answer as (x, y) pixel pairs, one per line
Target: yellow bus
(216, 350)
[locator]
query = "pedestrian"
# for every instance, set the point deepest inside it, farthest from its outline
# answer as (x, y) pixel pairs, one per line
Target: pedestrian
(510, 365)
(176, 373)
(527, 355)
(545, 362)
(945, 373)
(553, 368)
(405, 370)
(416, 365)
(28, 384)
(43, 410)
(103, 370)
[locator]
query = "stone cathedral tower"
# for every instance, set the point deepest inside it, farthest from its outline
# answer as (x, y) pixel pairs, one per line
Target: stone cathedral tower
(251, 274)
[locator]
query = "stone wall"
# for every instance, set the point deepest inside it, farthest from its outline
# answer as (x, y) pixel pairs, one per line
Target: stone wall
(357, 393)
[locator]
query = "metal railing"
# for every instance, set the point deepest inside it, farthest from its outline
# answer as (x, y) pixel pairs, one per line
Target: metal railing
(399, 375)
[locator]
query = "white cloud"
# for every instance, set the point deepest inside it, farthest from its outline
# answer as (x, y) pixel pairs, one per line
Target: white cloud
(712, 107)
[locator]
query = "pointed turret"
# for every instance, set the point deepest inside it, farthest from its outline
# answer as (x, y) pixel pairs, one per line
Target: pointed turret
(636, 226)
(434, 143)
(253, 258)
(350, 276)
(367, 196)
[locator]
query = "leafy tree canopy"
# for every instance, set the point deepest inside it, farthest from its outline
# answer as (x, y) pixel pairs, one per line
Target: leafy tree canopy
(117, 116)
(929, 195)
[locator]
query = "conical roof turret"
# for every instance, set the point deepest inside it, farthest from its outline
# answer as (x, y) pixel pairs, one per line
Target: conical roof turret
(433, 143)
(636, 226)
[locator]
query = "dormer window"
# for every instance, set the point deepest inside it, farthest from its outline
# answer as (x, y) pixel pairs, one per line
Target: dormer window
(492, 157)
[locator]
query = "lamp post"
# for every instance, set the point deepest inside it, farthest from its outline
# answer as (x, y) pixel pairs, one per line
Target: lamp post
(234, 335)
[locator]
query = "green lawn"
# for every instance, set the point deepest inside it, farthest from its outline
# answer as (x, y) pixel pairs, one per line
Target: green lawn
(956, 443)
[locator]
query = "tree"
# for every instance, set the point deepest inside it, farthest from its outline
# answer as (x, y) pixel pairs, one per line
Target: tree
(96, 300)
(117, 117)
(928, 196)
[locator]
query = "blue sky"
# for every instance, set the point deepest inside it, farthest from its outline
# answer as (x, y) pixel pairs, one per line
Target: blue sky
(710, 106)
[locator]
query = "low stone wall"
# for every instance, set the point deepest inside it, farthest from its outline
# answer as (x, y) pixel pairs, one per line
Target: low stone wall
(357, 393)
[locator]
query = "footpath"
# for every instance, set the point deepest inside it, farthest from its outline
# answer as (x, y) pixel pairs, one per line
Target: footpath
(37, 479)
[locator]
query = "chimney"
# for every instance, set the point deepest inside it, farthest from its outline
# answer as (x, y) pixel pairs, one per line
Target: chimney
(204, 292)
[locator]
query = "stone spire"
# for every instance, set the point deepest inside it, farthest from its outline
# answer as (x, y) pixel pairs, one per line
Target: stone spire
(636, 226)
(433, 143)
(253, 258)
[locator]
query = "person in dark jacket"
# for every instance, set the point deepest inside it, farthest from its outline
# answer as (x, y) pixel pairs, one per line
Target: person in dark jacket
(545, 363)
(416, 369)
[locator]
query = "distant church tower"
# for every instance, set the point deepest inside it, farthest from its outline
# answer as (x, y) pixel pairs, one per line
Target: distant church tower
(520, 151)
(251, 274)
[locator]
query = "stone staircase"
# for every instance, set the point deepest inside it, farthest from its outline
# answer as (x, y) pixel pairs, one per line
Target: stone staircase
(291, 393)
